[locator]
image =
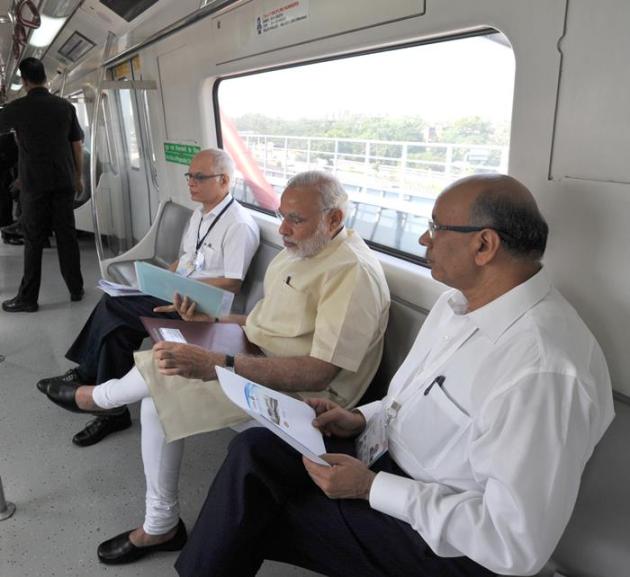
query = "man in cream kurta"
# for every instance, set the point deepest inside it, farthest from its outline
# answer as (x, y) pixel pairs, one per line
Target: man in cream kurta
(320, 326)
(332, 306)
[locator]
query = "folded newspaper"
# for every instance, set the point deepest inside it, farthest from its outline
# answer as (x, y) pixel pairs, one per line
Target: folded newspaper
(289, 418)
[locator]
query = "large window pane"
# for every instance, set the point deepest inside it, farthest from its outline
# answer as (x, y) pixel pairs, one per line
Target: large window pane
(395, 126)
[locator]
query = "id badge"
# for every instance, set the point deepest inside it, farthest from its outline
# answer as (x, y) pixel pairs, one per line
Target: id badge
(200, 260)
(371, 444)
(185, 268)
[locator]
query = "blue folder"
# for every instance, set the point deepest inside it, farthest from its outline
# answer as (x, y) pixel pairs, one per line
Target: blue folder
(163, 284)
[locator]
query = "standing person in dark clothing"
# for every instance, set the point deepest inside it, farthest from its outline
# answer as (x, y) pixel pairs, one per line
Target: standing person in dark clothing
(50, 143)
(8, 160)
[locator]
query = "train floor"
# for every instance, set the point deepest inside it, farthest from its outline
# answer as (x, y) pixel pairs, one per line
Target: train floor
(69, 499)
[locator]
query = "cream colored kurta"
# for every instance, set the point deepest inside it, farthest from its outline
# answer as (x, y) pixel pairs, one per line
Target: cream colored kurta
(333, 306)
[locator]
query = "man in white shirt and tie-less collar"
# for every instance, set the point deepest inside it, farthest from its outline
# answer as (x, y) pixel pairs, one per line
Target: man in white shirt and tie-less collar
(489, 423)
(217, 248)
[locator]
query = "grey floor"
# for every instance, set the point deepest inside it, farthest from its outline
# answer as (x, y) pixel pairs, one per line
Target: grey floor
(70, 499)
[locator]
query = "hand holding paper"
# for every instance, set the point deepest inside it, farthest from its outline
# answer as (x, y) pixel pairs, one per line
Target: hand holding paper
(348, 478)
(185, 308)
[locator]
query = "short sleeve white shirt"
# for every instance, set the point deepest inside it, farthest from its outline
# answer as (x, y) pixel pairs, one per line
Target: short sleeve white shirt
(227, 250)
(495, 453)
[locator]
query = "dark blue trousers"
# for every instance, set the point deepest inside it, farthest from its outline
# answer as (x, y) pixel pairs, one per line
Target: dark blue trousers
(104, 348)
(262, 505)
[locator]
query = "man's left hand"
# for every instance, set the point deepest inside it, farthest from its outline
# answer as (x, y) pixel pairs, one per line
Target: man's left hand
(186, 360)
(348, 478)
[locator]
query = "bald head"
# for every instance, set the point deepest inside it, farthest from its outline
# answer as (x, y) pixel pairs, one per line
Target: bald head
(506, 205)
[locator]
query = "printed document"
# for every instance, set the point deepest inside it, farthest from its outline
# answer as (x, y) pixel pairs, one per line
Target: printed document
(289, 418)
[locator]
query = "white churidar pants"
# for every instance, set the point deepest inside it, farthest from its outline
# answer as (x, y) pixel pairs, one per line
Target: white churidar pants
(161, 460)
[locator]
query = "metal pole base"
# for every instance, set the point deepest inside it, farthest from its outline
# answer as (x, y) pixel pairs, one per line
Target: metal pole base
(10, 509)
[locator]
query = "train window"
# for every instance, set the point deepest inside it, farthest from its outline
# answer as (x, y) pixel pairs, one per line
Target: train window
(129, 127)
(396, 126)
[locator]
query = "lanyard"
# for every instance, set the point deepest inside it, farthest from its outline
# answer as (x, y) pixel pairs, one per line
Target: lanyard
(200, 242)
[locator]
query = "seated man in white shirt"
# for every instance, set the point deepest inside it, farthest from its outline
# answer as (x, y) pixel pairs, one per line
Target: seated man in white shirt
(490, 422)
(217, 248)
(320, 326)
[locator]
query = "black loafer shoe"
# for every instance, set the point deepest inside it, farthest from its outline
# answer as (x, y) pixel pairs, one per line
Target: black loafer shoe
(75, 297)
(120, 550)
(101, 427)
(62, 394)
(16, 305)
(70, 377)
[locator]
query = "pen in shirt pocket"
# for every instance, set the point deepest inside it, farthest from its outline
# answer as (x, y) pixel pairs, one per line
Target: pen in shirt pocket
(439, 381)
(288, 281)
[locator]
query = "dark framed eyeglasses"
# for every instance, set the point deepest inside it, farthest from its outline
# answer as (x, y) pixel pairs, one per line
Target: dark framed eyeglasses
(432, 227)
(199, 176)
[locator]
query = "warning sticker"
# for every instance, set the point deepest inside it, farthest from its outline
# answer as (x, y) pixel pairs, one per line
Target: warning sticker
(277, 15)
(180, 153)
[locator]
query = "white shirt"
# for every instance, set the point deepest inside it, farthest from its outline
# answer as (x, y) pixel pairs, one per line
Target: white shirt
(229, 247)
(496, 453)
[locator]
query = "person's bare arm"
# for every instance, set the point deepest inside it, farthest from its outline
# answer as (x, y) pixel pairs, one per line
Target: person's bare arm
(77, 154)
(289, 374)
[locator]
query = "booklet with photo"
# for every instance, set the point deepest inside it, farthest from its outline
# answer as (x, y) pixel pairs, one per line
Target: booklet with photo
(289, 418)
(163, 284)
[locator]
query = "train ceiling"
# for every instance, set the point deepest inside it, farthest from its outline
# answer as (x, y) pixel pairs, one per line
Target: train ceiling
(66, 33)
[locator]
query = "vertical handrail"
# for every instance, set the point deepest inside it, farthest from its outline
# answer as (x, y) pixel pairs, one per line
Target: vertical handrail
(100, 253)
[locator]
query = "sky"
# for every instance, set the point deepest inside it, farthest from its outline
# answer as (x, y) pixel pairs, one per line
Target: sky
(439, 82)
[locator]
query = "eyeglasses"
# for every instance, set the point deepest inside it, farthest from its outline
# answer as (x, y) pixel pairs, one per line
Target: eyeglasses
(294, 219)
(199, 176)
(432, 227)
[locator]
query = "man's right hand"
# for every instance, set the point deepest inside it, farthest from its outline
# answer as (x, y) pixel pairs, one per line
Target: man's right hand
(184, 307)
(333, 420)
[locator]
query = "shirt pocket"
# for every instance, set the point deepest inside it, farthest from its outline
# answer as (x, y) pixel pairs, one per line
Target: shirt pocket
(432, 424)
(289, 316)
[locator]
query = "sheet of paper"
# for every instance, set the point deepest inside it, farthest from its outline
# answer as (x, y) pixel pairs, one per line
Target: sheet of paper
(289, 418)
(117, 290)
(172, 335)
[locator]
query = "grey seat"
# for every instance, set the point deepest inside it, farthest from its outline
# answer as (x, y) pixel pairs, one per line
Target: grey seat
(160, 246)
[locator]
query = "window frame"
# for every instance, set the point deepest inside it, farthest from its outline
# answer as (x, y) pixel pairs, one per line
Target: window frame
(447, 37)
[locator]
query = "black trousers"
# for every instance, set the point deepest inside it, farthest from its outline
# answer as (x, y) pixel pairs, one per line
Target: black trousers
(104, 348)
(262, 505)
(42, 211)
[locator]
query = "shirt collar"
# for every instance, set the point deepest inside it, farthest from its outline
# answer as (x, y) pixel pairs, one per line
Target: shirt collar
(497, 316)
(218, 208)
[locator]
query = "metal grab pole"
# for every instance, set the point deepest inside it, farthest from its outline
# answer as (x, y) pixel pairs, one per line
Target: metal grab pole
(6, 509)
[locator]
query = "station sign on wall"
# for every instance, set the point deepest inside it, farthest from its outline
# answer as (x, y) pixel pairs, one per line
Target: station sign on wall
(180, 153)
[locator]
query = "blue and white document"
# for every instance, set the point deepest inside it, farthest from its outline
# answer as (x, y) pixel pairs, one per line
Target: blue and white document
(289, 418)
(163, 284)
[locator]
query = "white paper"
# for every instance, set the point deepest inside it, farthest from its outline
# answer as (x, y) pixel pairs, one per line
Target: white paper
(114, 289)
(289, 418)
(172, 335)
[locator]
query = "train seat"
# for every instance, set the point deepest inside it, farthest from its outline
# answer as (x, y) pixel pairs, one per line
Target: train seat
(160, 246)
(596, 542)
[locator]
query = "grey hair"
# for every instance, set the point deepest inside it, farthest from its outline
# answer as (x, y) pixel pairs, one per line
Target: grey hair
(222, 162)
(330, 188)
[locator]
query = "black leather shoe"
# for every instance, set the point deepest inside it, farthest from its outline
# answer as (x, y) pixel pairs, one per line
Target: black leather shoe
(99, 428)
(15, 305)
(70, 377)
(62, 394)
(120, 550)
(75, 297)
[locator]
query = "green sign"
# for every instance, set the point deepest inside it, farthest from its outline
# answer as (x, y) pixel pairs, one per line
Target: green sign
(180, 153)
